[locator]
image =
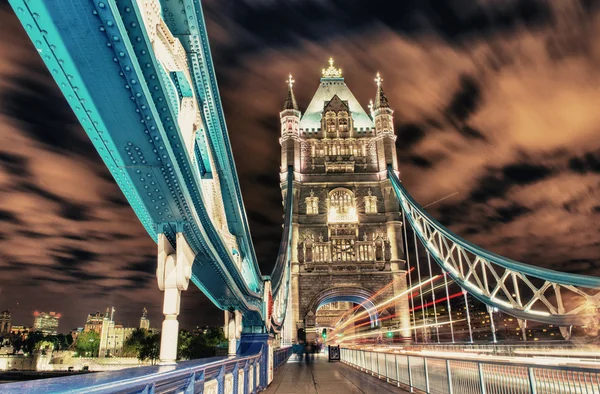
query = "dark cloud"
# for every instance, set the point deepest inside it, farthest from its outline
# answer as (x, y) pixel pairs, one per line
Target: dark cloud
(15, 164)
(495, 106)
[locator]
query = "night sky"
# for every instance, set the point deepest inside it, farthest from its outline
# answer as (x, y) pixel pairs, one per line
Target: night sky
(495, 101)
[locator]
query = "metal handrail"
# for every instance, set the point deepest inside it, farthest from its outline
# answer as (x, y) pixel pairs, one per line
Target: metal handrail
(186, 376)
(449, 375)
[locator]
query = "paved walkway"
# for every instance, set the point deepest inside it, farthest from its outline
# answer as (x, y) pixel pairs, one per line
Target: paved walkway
(323, 377)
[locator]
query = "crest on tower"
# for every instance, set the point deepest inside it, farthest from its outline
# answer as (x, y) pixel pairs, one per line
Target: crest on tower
(331, 72)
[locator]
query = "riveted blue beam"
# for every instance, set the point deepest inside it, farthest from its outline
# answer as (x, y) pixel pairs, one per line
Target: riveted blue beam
(552, 277)
(88, 51)
(538, 272)
(186, 21)
(282, 271)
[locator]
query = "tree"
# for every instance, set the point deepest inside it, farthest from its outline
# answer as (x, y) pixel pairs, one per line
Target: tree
(32, 339)
(88, 344)
(183, 344)
(134, 343)
(150, 349)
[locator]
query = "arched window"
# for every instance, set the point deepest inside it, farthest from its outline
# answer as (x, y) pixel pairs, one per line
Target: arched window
(312, 204)
(342, 207)
(370, 203)
(330, 122)
(343, 121)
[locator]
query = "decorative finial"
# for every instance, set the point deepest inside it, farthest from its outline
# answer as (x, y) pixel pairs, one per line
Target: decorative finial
(371, 105)
(312, 193)
(331, 72)
(290, 81)
(370, 193)
(378, 80)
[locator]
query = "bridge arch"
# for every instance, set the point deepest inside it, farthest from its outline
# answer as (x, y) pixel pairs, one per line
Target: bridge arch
(357, 295)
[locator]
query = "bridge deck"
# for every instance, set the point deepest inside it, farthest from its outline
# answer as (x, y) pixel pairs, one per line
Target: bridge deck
(323, 377)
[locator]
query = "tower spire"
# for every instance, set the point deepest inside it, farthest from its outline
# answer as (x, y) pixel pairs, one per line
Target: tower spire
(290, 100)
(380, 99)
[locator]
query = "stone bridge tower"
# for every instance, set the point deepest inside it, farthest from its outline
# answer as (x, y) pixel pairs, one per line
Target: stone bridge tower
(347, 240)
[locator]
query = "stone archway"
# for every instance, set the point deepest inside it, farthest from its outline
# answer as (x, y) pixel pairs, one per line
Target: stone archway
(357, 295)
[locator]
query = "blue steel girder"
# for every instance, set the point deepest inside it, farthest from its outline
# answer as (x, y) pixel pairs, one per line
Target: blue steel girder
(102, 62)
(281, 275)
(524, 291)
(185, 20)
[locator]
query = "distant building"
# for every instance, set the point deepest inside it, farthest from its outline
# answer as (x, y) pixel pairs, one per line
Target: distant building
(4, 323)
(112, 336)
(144, 321)
(94, 322)
(23, 331)
(75, 333)
(46, 323)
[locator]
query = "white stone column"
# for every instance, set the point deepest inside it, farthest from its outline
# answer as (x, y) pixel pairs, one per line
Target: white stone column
(173, 275)
(233, 330)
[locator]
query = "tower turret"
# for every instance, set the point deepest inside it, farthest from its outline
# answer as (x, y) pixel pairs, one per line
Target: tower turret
(290, 120)
(384, 128)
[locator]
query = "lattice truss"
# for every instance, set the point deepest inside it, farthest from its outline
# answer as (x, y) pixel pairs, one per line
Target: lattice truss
(524, 291)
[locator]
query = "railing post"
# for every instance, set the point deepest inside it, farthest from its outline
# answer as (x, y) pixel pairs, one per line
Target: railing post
(449, 374)
(481, 379)
(387, 377)
(397, 372)
(426, 375)
(189, 387)
(410, 382)
(531, 378)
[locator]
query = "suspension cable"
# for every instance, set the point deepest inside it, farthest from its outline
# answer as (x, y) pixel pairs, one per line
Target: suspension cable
(449, 307)
(437, 329)
(412, 301)
(468, 316)
(418, 264)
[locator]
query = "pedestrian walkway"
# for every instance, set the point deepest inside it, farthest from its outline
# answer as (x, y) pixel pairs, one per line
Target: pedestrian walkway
(325, 377)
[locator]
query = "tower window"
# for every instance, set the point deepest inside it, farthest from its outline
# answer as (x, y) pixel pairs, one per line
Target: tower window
(343, 121)
(312, 204)
(341, 206)
(370, 203)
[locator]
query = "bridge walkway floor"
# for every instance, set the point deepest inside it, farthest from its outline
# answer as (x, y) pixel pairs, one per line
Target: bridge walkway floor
(323, 377)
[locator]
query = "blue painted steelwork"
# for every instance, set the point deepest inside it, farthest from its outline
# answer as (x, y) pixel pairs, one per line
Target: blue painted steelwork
(281, 276)
(508, 285)
(185, 377)
(280, 356)
(100, 55)
(186, 22)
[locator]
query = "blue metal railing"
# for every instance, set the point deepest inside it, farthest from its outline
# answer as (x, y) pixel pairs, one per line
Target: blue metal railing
(222, 374)
(280, 356)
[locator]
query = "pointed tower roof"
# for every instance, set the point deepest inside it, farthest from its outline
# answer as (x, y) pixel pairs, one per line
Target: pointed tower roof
(332, 83)
(380, 99)
(290, 100)
(336, 105)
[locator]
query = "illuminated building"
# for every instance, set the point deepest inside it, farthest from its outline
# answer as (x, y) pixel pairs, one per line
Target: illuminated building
(94, 322)
(5, 323)
(346, 226)
(144, 321)
(46, 323)
(112, 336)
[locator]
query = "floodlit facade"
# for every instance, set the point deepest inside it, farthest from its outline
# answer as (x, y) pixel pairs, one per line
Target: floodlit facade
(46, 323)
(144, 321)
(5, 323)
(347, 229)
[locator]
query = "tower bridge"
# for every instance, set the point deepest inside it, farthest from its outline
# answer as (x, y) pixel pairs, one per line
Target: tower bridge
(139, 76)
